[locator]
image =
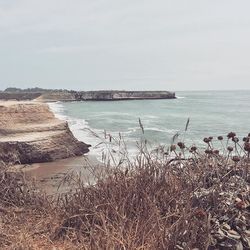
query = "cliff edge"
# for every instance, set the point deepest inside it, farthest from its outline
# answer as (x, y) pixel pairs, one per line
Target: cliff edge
(71, 95)
(30, 133)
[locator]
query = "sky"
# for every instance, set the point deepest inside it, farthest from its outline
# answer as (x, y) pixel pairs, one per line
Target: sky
(125, 44)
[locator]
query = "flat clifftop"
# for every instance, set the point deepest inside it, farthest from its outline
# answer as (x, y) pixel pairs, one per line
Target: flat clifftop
(101, 95)
(30, 133)
(124, 95)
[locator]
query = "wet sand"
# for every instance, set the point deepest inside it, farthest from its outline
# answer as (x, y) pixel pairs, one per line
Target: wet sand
(51, 176)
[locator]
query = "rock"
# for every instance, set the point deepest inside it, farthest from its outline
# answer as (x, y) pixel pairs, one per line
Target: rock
(124, 95)
(66, 95)
(29, 133)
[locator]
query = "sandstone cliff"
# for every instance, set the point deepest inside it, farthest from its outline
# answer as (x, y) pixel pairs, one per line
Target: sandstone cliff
(29, 133)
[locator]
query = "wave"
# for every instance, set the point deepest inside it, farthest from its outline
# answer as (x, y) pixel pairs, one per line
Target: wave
(169, 131)
(96, 137)
(83, 132)
(180, 97)
(79, 127)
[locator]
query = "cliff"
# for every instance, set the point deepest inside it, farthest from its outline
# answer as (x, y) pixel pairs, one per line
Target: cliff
(122, 95)
(66, 95)
(29, 133)
(19, 95)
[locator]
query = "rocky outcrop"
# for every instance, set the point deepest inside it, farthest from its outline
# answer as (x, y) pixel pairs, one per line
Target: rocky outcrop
(29, 133)
(122, 95)
(65, 95)
(18, 96)
(54, 96)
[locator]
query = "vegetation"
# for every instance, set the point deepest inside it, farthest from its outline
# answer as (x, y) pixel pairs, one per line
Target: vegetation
(175, 198)
(32, 90)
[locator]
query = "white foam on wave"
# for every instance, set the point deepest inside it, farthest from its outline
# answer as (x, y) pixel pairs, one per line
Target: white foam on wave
(163, 130)
(180, 97)
(79, 127)
(83, 132)
(150, 116)
(100, 145)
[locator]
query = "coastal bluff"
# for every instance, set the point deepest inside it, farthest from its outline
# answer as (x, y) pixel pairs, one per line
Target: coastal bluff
(30, 133)
(44, 95)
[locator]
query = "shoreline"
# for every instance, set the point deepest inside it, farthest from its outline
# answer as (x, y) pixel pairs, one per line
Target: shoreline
(71, 95)
(34, 137)
(50, 175)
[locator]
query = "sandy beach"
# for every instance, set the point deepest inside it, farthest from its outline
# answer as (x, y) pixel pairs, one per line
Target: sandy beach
(51, 176)
(42, 146)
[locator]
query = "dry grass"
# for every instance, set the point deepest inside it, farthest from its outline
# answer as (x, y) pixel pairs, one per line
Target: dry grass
(162, 200)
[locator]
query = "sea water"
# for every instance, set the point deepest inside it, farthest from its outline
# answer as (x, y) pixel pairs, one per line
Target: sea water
(210, 113)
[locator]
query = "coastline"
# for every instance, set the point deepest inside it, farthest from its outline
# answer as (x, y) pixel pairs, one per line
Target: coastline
(35, 141)
(30, 133)
(45, 95)
(81, 130)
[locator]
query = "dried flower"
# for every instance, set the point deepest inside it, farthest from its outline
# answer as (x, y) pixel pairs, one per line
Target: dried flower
(216, 151)
(247, 146)
(172, 147)
(236, 158)
(231, 135)
(230, 149)
(206, 140)
(246, 139)
(235, 139)
(220, 138)
(193, 148)
(181, 145)
(208, 151)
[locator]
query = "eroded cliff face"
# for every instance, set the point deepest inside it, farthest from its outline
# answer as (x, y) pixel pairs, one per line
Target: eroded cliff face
(122, 95)
(103, 95)
(30, 133)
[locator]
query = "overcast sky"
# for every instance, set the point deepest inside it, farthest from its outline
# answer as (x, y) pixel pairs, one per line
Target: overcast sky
(125, 44)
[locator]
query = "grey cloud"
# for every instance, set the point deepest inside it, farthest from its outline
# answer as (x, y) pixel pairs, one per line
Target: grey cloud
(140, 44)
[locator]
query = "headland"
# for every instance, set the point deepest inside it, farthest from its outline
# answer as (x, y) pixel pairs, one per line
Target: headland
(46, 95)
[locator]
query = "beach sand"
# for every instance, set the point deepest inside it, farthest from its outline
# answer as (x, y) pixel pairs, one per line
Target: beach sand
(30, 133)
(51, 176)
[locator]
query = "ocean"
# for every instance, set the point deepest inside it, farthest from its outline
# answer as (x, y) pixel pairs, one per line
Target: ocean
(210, 113)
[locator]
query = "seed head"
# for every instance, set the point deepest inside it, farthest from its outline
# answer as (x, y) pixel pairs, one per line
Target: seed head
(230, 149)
(208, 151)
(216, 151)
(247, 146)
(181, 145)
(206, 140)
(220, 138)
(246, 139)
(235, 139)
(236, 158)
(172, 147)
(231, 135)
